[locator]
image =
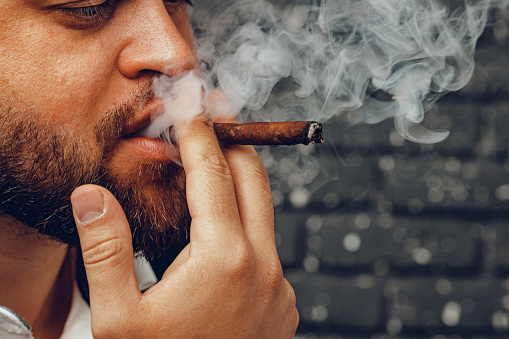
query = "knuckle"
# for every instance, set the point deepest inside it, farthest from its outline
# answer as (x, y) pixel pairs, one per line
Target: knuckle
(292, 314)
(261, 175)
(291, 297)
(102, 251)
(241, 263)
(295, 320)
(260, 172)
(294, 317)
(215, 164)
(274, 273)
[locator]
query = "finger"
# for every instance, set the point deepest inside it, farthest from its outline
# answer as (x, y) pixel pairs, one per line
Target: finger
(291, 321)
(254, 198)
(209, 185)
(106, 245)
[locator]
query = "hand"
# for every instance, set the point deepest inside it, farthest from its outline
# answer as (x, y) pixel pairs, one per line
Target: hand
(226, 283)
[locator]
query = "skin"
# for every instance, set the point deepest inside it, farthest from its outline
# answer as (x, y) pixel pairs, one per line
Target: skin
(208, 290)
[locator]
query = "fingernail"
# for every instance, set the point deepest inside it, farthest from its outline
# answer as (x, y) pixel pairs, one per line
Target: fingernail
(87, 206)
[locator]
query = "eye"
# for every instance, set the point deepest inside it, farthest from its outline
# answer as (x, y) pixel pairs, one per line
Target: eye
(84, 17)
(81, 17)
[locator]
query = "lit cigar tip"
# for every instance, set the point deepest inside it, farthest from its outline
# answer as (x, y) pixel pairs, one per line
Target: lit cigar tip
(315, 134)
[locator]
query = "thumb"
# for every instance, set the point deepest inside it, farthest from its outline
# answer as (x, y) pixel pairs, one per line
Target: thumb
(106, 245)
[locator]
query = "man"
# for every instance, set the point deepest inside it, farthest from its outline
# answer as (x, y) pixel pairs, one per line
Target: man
(75, 88)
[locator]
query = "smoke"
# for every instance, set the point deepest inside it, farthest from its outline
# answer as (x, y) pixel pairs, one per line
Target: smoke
(314, 59)
(182, 100)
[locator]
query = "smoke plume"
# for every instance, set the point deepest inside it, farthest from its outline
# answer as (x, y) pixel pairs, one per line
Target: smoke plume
(313, 59)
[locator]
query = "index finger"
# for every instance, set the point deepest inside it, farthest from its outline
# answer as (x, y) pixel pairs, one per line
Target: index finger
(253, 194)
(209, 185)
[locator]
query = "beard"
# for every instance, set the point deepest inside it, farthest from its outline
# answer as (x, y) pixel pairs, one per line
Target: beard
(41, 164)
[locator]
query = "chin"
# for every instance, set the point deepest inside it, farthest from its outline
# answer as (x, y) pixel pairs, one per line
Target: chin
(155, 204)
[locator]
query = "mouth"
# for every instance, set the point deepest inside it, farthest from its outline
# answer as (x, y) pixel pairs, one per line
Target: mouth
(147, 139)
(140, 125)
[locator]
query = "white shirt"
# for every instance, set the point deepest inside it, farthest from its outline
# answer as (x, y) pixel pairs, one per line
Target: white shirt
(77, 325)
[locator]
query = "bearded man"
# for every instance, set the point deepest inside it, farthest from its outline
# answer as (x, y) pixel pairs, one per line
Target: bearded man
(77, 182)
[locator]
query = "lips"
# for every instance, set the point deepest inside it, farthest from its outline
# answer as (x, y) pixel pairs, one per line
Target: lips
(139, 126)
(148, 139)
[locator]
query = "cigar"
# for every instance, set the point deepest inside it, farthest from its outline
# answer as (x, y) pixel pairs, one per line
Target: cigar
(270, 133)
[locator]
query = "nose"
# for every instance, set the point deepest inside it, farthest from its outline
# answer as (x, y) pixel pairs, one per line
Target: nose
(156, 41)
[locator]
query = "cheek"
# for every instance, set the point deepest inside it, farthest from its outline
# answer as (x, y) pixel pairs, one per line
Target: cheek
(57, 79)
(78, 77)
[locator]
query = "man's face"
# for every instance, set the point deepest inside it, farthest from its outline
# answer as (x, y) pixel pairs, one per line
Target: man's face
(75, 84)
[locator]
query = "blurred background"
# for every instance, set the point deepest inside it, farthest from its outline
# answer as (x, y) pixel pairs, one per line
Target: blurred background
(408, 240)
(381, 237)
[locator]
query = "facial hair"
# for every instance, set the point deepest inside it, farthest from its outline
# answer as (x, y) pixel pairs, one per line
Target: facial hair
(41, 164)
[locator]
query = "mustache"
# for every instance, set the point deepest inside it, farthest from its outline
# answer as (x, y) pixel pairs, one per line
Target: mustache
(111, 125)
